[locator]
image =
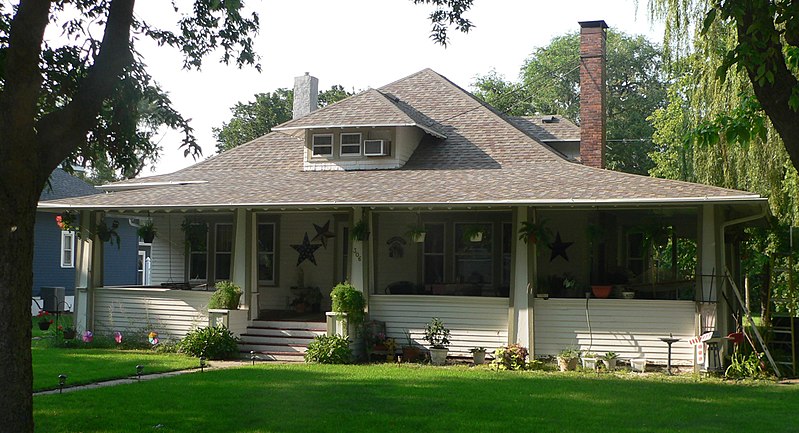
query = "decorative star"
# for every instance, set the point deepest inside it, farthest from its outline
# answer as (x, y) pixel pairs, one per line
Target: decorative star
(306, 250)
(559, 248)
(323, 233)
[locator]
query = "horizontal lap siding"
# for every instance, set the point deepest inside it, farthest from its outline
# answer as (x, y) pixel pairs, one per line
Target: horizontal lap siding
(171, 313)
(473, 321)
(631, 328)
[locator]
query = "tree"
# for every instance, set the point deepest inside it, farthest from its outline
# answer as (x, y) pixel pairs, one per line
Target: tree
(256, 118)
(550, 84)
(765, 47)
(77, 102)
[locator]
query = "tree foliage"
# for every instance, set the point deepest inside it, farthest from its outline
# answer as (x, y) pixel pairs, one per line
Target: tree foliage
(550, 84)
(256, 118)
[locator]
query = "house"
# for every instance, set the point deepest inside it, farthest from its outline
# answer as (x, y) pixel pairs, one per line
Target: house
(276, 216)
(54, 249)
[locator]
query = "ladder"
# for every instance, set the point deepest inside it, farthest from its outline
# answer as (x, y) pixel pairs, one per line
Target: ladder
(783, 326)
(751, 321)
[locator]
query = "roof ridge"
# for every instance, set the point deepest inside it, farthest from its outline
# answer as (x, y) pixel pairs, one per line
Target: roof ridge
(322, 109)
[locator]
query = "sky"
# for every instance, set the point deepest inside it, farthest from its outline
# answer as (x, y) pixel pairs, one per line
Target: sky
(362, 44)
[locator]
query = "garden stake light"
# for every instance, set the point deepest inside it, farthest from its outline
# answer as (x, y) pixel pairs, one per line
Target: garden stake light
(62, 380)
(202, 364)
(252, 357)
(139, 370)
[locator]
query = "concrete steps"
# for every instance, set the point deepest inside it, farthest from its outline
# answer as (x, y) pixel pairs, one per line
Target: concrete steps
(283, 340)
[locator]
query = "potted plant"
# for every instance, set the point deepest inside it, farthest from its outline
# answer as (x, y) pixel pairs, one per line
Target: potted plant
(299, 304)
(146, 231)
(226, 296)
(438, 336)
(473, 234)
(478, 355)
(360, 231)
(68, 333)
(347, 299)
(45, 320)
(610, 359)
(590, 361)
(531, 232)
(601, 290)
(628, 293)
(567, 359)
(410, 352)
(67, 221)
(416, 233)
(108, 234)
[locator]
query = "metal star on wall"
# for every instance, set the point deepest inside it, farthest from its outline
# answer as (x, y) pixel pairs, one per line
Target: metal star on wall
(306, 250)
(323, 233)
(559, 248)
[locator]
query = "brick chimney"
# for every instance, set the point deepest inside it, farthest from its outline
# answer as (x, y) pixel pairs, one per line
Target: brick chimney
(592, 93)
(306, 95)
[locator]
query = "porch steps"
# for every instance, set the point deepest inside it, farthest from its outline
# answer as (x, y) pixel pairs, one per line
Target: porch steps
(284, 340)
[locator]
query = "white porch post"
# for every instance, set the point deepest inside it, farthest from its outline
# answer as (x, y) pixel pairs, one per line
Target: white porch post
(241, 258)
(520, 329)
(358, 256)
(83, 251)
(711, 311)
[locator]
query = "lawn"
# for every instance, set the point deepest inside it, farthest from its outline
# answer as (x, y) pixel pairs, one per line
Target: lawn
(389, 398)
(92, 365)
(63, 320)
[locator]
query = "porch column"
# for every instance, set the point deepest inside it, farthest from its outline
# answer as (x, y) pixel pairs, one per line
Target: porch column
(241, 257)
(711, 310)
(359, 268)
(83, 252)
(520, 329)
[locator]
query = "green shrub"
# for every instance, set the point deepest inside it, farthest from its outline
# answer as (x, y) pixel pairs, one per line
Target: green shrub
(329, 349)
(226, 296)
(511, 357)
(745, 367)
(348, 299)
(213, 342)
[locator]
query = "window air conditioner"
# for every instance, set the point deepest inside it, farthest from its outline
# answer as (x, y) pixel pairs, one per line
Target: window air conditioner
(375, 147)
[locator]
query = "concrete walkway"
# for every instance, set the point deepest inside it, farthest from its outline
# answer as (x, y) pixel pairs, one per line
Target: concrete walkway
(212, 365)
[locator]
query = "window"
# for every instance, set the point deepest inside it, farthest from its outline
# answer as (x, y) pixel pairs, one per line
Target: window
(67, 249)
(223, 251)
(473, 260)
(507, 242)
(198, 252)
(266, 253)
(351, 144)
(635, 253)
(322, 145)
(434, 253)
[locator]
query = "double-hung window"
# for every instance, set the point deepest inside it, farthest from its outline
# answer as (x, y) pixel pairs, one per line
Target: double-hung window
(266, 253)
(198, 254)
(67, 249)
(223, 251)
(350, 144)
(322, 145)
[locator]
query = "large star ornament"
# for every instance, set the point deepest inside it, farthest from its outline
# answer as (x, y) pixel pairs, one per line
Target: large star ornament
(323, 233)
(559, 248)
(306, 250)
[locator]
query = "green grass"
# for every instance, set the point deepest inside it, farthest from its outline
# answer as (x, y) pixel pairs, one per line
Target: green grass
(91, 365)
(63, 320)
(389, 398)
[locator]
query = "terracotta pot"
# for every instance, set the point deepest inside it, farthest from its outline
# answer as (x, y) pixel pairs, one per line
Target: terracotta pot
(601, 291)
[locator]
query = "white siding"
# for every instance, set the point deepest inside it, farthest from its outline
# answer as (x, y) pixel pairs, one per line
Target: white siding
(473, 321)
(170, 313)
(630, 327)
(407, 139)
(168, 250)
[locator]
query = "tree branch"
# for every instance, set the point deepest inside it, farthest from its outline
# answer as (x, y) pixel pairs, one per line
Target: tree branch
(64, 130)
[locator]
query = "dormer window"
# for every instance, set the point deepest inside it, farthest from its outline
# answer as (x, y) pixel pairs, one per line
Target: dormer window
(323, 145)
(350, 144)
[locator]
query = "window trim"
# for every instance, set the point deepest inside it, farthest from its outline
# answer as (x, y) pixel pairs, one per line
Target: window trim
(206, 253)
(67, 246)
(217, 253)
(314, 146)
(342, 145)
(258, 254)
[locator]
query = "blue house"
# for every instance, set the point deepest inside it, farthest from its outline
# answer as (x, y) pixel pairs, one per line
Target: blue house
(54, 249)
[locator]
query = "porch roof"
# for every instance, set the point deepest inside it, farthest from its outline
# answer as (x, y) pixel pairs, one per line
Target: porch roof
(485, 159)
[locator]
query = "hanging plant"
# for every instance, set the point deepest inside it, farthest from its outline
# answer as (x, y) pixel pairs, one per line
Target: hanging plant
(473, 234)
(196, 233)
(106, 234)
(146, 231)
(532, 232)
(416, 233)
(67, 221)
(360, 231)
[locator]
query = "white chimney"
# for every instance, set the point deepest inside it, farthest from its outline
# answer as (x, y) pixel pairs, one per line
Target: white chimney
(306, 95)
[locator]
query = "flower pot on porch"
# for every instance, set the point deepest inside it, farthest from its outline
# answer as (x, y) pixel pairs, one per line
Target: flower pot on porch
(477, 237)
(418, 237)
(148, 238)
(438, 356)
(601, 291)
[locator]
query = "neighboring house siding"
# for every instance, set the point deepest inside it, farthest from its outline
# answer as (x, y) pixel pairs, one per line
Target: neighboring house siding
(630, 327)
(47, 270)
(473, 321)
(168, 250)
(120, 262)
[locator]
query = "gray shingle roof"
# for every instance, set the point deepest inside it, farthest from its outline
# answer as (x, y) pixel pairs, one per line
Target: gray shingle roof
(63, 185)
(484, 159)
(548, 128)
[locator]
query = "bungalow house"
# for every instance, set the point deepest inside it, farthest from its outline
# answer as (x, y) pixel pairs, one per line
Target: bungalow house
(339, 194)
(54, 249)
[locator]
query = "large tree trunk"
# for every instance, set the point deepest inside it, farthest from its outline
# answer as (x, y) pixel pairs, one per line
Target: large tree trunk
(17, 217)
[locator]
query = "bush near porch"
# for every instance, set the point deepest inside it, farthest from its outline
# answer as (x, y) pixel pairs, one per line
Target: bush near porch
(392, 398)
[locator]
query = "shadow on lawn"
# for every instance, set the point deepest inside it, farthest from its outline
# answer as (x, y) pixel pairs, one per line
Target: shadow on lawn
(279, 398)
